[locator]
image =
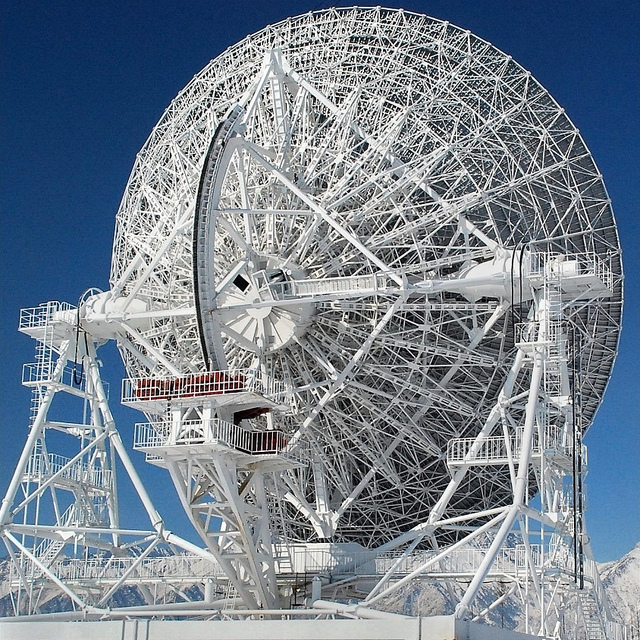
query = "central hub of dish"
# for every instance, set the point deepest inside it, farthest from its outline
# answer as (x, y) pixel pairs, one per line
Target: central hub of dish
(258, 306)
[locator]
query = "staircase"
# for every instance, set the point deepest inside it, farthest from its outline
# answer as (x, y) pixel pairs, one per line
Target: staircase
(592, 618)
(48, 550)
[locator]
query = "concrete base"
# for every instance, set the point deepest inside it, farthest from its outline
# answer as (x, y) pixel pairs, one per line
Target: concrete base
(433, 628)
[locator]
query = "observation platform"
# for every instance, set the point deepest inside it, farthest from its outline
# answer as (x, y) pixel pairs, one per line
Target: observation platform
(205, 437)
(325, 558)
(246, 388)
(527, 338)
(36, 374)
(580, 276)
(65, 473)
(50, 322)
(497, 450)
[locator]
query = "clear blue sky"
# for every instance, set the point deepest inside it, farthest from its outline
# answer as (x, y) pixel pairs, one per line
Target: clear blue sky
(83, 83)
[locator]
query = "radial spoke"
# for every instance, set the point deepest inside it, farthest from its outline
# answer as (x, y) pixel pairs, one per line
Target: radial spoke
(403, 156)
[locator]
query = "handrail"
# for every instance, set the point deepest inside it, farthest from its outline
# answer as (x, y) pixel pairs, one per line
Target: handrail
(43, 314)
(567, 266)
(43, 466)
(197, 385)
(150, 435)
(35, 373)
(494, 448)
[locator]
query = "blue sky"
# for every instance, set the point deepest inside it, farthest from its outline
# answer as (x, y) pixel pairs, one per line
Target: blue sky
(83, 83)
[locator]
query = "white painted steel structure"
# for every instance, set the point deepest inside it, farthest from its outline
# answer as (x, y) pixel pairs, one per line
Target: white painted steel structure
(366, 284)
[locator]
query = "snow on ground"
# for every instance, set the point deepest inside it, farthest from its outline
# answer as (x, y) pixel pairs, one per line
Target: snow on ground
(621, 579)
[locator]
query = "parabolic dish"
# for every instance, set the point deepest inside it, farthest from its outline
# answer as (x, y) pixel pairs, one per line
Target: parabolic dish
(382, 148)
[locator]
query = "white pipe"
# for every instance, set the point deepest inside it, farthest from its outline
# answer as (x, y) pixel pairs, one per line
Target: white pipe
(357, 610)
(520, 487)
(435, 559)
(34, 434)
(116, 441)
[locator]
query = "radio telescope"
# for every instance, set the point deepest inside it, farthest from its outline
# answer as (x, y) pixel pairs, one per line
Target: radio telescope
(328, 197)
(366, 284)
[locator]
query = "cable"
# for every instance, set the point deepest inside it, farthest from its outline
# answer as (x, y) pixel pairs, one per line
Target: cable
(576, 467)
(520, 282)
(77, 377)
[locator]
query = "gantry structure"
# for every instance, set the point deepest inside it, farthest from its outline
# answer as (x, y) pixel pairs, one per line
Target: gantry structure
(366, 284)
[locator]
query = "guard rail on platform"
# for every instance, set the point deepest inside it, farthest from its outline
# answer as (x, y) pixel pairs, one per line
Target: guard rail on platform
(155, 435)
(200, 385)
(43, 466)
(498, 450)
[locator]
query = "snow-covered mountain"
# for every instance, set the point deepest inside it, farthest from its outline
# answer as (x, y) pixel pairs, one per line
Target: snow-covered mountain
(621, 580)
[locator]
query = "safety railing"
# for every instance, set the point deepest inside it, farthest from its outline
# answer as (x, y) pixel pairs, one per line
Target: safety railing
(497, 449)
(210, 383)
(564, 267)
(555, 337)
(35, 373)
(178, 567)
(616, 630)
(594, 594)
(511, 561)
(347, 284)
(44, 314)
(529, 332)
(514, 560)
(148, 435)
(43, 466)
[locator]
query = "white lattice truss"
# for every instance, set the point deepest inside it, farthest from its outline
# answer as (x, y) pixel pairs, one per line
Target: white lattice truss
(397, 223)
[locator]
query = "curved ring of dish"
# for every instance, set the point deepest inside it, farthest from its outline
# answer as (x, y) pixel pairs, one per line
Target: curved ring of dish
(401, 143)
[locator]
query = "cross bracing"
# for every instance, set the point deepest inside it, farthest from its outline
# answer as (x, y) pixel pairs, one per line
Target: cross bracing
(367, 205)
